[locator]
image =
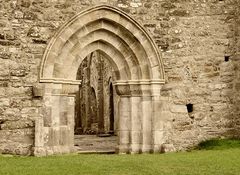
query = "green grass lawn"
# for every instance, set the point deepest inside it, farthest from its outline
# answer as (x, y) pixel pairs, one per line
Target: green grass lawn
(222, 159)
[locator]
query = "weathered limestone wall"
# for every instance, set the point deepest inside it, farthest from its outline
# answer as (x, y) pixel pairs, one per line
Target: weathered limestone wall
(194, 37)
(234, 115)
(198, 38)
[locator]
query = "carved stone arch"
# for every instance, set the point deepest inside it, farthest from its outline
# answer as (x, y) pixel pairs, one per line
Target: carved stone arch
(79, 26)
(139, 74)
(119, 64)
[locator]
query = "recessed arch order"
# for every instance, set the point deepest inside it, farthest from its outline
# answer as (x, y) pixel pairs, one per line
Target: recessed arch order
(139, 75)
(115, 33)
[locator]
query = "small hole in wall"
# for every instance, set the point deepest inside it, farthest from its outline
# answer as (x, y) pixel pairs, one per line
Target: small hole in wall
(226, 58)
(190, 108)
(1, 122)
(211, 108)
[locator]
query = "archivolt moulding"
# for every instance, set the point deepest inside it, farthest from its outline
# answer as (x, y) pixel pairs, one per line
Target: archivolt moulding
(114, 32)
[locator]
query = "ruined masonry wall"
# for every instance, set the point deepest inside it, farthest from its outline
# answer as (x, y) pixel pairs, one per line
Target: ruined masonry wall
(234, 115)
(194, 38)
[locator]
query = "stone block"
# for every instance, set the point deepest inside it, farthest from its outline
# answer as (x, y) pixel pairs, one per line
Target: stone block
(20, 136)
(38, 90)
(29, 15)
(54, 136)
(47, 116)
(159, 137)
(237, 86)
(64, 136)
(178, 108)
(18, 14)
(136, 137)
(25, 3)
(16, 149)
(124, 137)
(63, 118)
(4, 102)
(20, 124)
(9, 43)
(167, 148)
(11, 114)
(135, 148)
(34, 32)
(5, 55)
(29, 110)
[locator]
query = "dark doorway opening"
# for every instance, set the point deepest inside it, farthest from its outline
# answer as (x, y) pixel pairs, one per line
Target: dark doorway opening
(94, 116)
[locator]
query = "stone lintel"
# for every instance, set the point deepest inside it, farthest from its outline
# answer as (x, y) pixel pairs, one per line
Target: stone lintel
(123, 90)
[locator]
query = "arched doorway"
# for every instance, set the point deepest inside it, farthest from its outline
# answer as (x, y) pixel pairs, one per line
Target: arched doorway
(138, 77)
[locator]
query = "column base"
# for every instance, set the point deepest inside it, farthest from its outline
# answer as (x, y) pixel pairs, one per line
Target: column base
(147, 149)
(123, 149)
(135, 148)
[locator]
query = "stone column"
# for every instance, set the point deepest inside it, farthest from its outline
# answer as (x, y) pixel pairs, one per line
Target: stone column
(124, 112)
(70, 121)
(140, 116)
(158, 118)
(39, 141)
(147, 145)
(136, 118)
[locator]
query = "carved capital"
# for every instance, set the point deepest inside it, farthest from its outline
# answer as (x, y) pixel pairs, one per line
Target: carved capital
(139, 87)
(123, 90)
(136, 90)
(146, 90)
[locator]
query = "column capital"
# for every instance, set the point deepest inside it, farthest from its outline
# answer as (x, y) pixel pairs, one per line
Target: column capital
(123, 90)
(128, 89)
(143, 87)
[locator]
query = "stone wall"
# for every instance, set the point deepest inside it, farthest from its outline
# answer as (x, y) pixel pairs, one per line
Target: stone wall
(196, 38)
(235, 58)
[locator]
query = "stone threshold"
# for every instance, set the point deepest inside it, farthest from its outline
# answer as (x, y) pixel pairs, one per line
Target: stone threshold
(96, 152)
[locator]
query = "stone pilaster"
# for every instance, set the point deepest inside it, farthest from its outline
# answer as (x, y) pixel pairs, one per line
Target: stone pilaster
(136, 118)
(139, 115)
(158, 119)
(147, 119)
(54, 129)
(124, 117)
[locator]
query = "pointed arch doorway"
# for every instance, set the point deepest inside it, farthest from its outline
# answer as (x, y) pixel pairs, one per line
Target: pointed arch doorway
(138, 72)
